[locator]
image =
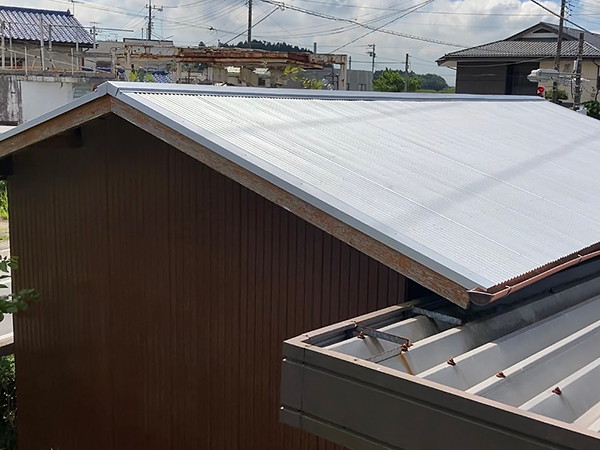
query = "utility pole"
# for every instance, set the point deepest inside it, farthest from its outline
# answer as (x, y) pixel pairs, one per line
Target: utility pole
(3, 49)
(315, 48)
(406, 74)
(150, 8)
(577, 96)
(561, 24)
(42, 42)
(250, 24)
(372, 54)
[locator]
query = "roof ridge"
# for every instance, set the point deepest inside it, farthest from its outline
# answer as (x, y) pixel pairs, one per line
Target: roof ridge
(37, 10)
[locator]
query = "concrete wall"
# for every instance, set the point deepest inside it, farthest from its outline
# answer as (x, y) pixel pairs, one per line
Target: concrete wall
(39, 97)
(29, 96)
(10, 109)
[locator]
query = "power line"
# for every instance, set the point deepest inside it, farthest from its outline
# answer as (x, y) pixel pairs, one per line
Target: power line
(252, 26)
(560, 16)
(354, 22)
(413, 9)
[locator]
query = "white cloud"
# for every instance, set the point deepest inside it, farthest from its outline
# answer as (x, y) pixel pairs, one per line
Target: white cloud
(468, 22)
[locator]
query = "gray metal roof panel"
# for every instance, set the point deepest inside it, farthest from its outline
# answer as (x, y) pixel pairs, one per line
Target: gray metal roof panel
(24, 24)
(524, 49)
(478, 188)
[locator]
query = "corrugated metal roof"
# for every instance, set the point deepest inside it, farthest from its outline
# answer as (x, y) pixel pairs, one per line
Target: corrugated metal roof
(525, 49)
(533, 355)
(24, 24)
(480, 189)
(486, 189)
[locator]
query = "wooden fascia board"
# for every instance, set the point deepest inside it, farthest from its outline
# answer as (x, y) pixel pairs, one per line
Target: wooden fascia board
(59, 124)
(344, 232)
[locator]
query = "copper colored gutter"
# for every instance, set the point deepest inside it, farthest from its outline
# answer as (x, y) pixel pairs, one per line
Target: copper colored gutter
(482, 297)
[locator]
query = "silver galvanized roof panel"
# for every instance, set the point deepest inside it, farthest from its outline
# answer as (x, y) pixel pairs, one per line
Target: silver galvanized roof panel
(488, 190)
(480, 189)
(24, 24)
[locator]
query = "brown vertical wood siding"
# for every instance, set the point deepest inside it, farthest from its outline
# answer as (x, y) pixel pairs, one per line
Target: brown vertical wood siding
(167, 291)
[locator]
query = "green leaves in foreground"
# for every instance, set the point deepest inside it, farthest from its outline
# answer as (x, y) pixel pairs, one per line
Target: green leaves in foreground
(14, 302)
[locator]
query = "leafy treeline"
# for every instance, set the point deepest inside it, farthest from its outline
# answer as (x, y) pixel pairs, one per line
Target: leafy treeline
(265, 45)
(426, 82)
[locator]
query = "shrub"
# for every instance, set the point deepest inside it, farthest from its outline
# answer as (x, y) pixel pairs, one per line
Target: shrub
(8, 404)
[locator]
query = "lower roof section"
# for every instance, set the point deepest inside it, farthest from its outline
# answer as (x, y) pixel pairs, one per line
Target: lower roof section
(527, 376)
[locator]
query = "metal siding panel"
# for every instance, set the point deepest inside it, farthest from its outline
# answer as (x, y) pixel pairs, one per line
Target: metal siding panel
(48, 231)
(168, 290)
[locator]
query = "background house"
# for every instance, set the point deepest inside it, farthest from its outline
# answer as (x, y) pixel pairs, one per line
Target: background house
(42, 63)
(502, 67)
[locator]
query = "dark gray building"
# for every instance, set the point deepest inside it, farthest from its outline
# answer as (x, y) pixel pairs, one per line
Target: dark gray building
(502, 67)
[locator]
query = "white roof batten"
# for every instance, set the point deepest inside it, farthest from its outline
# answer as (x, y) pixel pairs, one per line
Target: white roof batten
(579, 393)
(516, 357)
(541, 370)
(487, 360)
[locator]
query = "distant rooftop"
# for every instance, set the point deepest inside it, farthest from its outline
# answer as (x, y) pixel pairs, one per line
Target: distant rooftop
(538, 41)
(61, 27)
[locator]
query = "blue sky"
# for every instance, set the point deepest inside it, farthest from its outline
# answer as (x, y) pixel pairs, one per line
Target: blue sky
(467, 22)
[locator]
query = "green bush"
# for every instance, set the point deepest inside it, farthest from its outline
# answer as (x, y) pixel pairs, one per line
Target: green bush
(8, 404)
(562, 94)
(3, 200)
(593, 108)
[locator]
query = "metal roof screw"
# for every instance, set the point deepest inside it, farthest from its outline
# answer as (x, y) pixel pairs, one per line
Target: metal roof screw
(451, 362)
(361, 335)
(557, 390)
(501, 375)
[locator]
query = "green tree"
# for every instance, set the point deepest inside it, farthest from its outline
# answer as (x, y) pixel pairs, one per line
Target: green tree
(433, 82)
(562, 94)
(10, 304)
(593, 108)
(3, 200)
(8, 404)
(14, 302)
(141, 75)
(389, 81)
(392, 81)
(293, 73)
